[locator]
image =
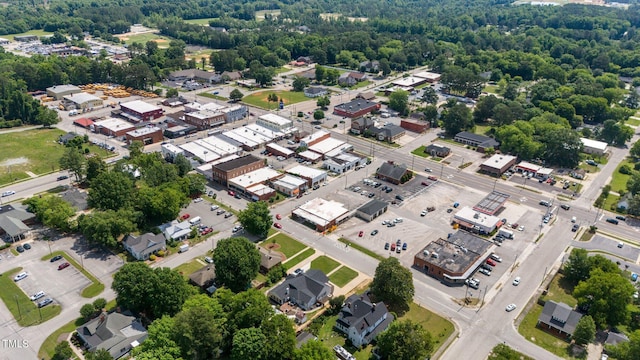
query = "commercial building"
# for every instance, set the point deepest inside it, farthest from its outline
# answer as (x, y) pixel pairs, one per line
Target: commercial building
(260, 192)
(415, 126)
(498, 164)
(204, 119)
(258, 176)
(83, 123)
(356, 108)
(310, 156)
(195, 74)
(371, 210)
(113, 127)
(409, 81)
(593, 146)
(322, 214)
(234, 113)
(476, 221)
(177, 131)
(359, 125)
(196, 106)
(147, 135)
(170, 151)
(58, 92)
(453, 260)
(534, 170)
(388, 133)
(343, 162)
(478, 141)
(313, 92)
(140, 111)
(224, 171)
(290, 185)
(430, 77)
(330, 147)
(313, 176)
(275, 122)
(437, 150)
(82, 101)
(278, 150)
(492, 203)
(391, 172)
(314, 138)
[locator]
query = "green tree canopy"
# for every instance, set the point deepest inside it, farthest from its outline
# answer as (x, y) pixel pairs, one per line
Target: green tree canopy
(237, 262)
(626, 350)
(74, 161)
(199, 333)
(313, 350)
(52, 211)
(256, 218)
(236, 95)
(457, 118)
(577, 266)
(280, 337)
(585, 331)
(605, 297)
(111, 190)
(105, 227)
(398, 101)
(393, 283)
(405, 340)
(300, 82)
(248, 344)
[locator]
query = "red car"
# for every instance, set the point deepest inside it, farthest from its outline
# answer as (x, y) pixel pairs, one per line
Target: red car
(63, 266)
(231, 193)
(185, 216)
(361, 233)
(278, 217)
(277, 225)
(393, 247)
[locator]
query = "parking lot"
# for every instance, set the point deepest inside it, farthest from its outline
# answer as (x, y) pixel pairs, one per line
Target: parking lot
(210, 217)
(611, 246)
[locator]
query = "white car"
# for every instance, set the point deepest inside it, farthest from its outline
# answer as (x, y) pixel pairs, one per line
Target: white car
(197, 200)
(8, 193)
(510, 307)
(37, 296)
(214, 207)
(521, 228)
(423, 213)
(516, 281)
(20, 276)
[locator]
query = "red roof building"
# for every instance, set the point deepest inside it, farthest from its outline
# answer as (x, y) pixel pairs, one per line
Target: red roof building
(84, 122)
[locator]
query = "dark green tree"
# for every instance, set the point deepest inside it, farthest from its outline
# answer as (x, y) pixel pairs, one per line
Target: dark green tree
(170, 93)
(62, 351)
(237, 263)
(52, 211)
(393, 283)
(105, 227)
(318, 114)
(95, 167)
(585, 331)
(456, 119)
(300, 82)
(236, 95)
(248, 344)
(199, 333)
(111, 190)
(398, 101)
(626, 350)
(405, 340)
(605, 296)
(74, 161)
(577, 266)
(136, 148)
(323, 102)
(313, 350)
(182, 164)
(280, 338)
(87, 311)
(256, 218)
(429, 96)
(100, 354)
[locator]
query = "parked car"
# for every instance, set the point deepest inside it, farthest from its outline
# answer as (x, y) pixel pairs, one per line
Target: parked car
(20, 249)
(491, 262)
(371, 195)
(185, 216)
(62, 177)
(26, 246)
(386, 246)
(278, 216)
(214, 207)
(45, 302)
(374, 232)
(565, 206)
(277, 225)
(298, 271)
(575, 227)
(231, 193)
(423, 213)
(228, 215)
(208, 260)
(510, 307)
(398, 249)
(55, 258)
(37, 296)
(361, 233)
(516, 281)
(485, 271)
(64, 265)
(197, 200)
(621, 218)
(393, 247)
(612, 221)
(404, 246)
(20, 276)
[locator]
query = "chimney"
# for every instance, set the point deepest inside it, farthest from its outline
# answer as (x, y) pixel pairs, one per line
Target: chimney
(373, 308)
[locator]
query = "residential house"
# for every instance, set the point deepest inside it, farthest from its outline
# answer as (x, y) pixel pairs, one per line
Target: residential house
(231, 75)
(176, 231)
(370, 66)
(76, 198)
(304, 290)
(269, 259)
(204, 277)
(141, 247)
(351, 78)
(64, 139)
(391, 172)
(388, 133)
(116, 333)
(558, 318)
(314, 91)
(304, 337)
(437, 150)
(362, 320)
(359, 125)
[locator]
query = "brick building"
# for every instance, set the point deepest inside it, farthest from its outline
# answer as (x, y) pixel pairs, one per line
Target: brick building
(415, 126)
(204, 119)
(140, 111)
(147, 135)
(224, 171)
(356, 108)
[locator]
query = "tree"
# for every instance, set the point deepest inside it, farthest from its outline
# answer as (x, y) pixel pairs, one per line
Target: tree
(248, 344)
(95, 167)
(318, 114)
(429, 96)
(199, 333)
(52, 211)
(74, 161)
(160, 204)
(431, 114)
(237, 263)
(323, 102)
(484, 108)
(605, 297)
(313, 350)
(385, 68)
(160, 343)
(633, 184)
(335, 304)
(247, 309)
(256, 218)
(87, 311)
(280, 338)
(634, 205)
(105, 227)
(511, 91)
(405, 340)
(562, 148)
(236, 95)
(272, 97)
(456, 119)
(111, 190)
(99, 304)
(626, 350)
(615, 133)
(635, 150)
(300, 82)
(182, 164)
(170, 93)
(62, 351)
(577, 267)
(585, 331)
(136, 148)
(398, 100)
(393, 283)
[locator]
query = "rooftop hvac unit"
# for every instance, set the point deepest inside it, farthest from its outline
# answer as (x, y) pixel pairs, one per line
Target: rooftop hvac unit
(434, 255)
(425, 252)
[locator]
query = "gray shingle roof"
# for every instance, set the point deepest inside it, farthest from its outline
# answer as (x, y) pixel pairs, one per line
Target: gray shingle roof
(559, 316)
(373, 206)
(392, 171)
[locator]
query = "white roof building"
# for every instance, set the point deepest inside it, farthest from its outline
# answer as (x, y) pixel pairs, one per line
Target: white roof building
(499, 161)
(196, 106)
(259, 190)
(289, 181)
(321, 212)
(281, 149)
(326, 145)
(479, 221)
(244, 137)
(139, 106)
(310, 155)
(313, 176)
(593, 146)
(266, 132)
(200, 152)
(250, 179)
(218, 145)
(429, 76)
(274, 121)
(114, 125)
(313, 137)
(170, 150)
(81, 98)
(410, 81)
(143, 131)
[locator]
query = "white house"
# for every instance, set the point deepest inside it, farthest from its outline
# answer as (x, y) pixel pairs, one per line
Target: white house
(176, 231)
(593, 146)
(361, 320)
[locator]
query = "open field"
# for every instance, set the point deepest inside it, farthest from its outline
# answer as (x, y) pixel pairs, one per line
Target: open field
(259, 99)
(163, 41)
(298, 259)
(618, 179)
(261, 14)
(21, 307)
(30, 32)
(324, 264)
(288, 245)
(343, 276)
(361, 84)
(203, 22)
(36, 151)
(560, 290)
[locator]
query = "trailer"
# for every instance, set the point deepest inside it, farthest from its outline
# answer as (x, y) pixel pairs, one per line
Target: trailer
(505, 233)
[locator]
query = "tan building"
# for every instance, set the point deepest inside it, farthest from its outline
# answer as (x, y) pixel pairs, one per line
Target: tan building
(223, 172)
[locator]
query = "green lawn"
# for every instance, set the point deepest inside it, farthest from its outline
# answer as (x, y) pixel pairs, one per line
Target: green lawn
(211, 96)
(260, 14)
(482, 129)
(619, 180)
(362, 249)
(541, 338)
(361, 84)
(163, 41)
(259, 99)
(23, 310)
(189, 268)
(611, 203)
(420, 152)
(48, 347)
(94, 289)
(324, 264)
(204, 22)
(298, 259)
(30, 32)
(560, 290)
(491, 89)
(343, 276)
(34, 150)
(589, 168)
(502, 351)
(288, 245)
(633, 121)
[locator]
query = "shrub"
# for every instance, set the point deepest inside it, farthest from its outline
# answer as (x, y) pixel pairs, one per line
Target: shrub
(153, 258)
(625, 169)
(160, 253)
(87, 311)
(99, 304)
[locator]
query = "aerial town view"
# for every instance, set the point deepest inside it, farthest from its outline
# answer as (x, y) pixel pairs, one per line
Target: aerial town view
(297, 180)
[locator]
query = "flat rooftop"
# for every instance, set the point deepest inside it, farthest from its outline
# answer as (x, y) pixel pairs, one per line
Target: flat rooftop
(280, 148)
(199, 151)
(139, 106)
(81, 97)
(457, 254)
(594, 144)
(310, 155)
(492, 203)
(144, 131)
(477, 218)
(498, 161)
(316, 135)
(219, 145)
(114, 124)
(63, 88)
(276, 119)
(320, 211)
(265, 132)
(409, 81)
(255, 177)
(239, 162)
(306, 172)
(290, 182)
(327, 145)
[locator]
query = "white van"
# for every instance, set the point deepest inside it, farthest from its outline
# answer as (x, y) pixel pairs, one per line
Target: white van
(73, 112)
(183, 248)
(195, 221)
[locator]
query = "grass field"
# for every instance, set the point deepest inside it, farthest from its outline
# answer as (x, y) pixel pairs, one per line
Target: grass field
(30, 32)
(619, 180)
(491, 89)
(288, 245)
(343, 276)
(362, 249)
(259, 99)
(611, 203)
(261, 14)
(48, 347)
(33, 150)
(23, 310)
(420, 152)
(482, 129)
(189, 268)
(634, 121)
(203, 22)
(298, 259)
(541, 338)
(163, 41)
(94, 289)
(502, 351)
(560, 290)
(361, 84)
(324, 264)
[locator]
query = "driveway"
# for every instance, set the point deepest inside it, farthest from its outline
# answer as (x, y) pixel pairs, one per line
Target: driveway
(610, 246)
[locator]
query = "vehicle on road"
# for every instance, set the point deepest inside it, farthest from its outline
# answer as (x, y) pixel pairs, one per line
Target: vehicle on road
(565, 206)
(277, 225)
(516, 281)
(20, 276)
(427, 169)
(26, 246)
(62, 177)
(8, 193)
(510, 307)
(45, 302)
(55, 258)
(37, 296)
(620, 244)
(612, 221)
(374, 232)
(64, 265)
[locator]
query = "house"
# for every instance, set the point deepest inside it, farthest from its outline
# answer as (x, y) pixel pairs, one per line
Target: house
(176, 231)
(614, 338)
(269, 259)
(370, 66)
(64, 139)
(304, 290)
(351, 78)
(391, 172)
(388, 133)
(231, 75)
(141, 247)
(593, 147)
(436, 150)
(76, 198)
(116, 333)
(204, 277)
(478, 141)
(313, 92)
(14, 223)
(304, 337)
(359, 125)
(558, 318)
(362, 320)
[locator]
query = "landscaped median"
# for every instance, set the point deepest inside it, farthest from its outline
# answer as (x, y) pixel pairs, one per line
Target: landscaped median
(25, 311)
(90, 291)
